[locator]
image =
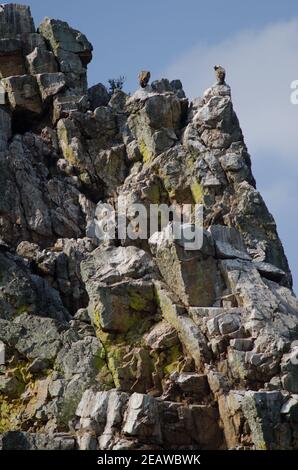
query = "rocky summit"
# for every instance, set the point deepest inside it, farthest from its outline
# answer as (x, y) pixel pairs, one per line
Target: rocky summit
(134, 343)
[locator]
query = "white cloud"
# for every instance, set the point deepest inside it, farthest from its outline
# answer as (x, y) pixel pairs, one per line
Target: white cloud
(260, 68)
(261, 65)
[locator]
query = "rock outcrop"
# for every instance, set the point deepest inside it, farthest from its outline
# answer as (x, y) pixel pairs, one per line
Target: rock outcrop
(133, 343)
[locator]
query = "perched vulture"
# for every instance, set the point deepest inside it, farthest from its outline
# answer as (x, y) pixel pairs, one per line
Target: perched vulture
(144, 77)
(220, 74)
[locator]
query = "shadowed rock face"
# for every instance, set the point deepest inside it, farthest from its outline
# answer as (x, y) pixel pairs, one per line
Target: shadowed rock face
(133, 344)
(15, 20)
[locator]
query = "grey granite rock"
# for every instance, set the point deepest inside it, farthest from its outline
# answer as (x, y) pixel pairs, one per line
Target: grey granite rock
(23, 94)
(140, 342)
(41, 61)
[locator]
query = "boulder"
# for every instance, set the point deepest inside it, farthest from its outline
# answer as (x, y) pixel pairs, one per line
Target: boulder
(117, 300)
(190, 335)
(269, 271)
(64, 104)
(290, 408)
(155, 123)
(50, 84)
(165, 86)
(70, 64)
(193, 384)
(142, 418)
(41, 338)
(27, 250)
(98, 96)
(115, 410)
(217, 109)
(162, 336)
(106, 168)
(10, 386)
(73, 52)
(289, 370)
(23, 94)
(41, 61)
(193, 272)
(228, 242)
(229, 405)
(62, 37)
(80, 358)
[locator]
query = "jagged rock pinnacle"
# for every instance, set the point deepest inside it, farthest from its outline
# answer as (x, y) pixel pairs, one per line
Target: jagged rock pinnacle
(133, 342)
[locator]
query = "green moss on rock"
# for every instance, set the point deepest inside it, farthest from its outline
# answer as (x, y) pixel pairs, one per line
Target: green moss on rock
(146, 154)
(197, 192)
(10, 411)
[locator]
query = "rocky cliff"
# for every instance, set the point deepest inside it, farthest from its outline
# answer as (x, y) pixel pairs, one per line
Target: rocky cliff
(135, 343)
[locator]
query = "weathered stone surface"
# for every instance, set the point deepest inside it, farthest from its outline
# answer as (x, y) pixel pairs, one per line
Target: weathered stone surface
(133, 152)
(15, 19)
(155, 122)
(61, 36)
(216, 109)
(142, 418)
(262, 410)
(64, 104)
(290, 408)
(23, 93)
(80, 357)
(193, 384)
(133, 343)
(27, 292)
(228, 242)
(5, 125)
(71, 65)
(118, 296)
(122, 422)
(164, 86)
(289, 371)
(98, 96)
(73, 52)
(40, 337)
(35, 206)
(41, 61)
(193, 273)
(162, 336)
(230, 413)
(16, 440)
(270, 272)
(31, 41)
(11, 58)
(9, 386)
(259, 227)
(190, 335)
(50, 84)
(105, 170)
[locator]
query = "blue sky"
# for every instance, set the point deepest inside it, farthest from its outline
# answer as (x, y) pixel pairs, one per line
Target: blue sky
(257, 41)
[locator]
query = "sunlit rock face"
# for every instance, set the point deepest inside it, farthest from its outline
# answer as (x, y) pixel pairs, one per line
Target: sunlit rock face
(133, 343)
